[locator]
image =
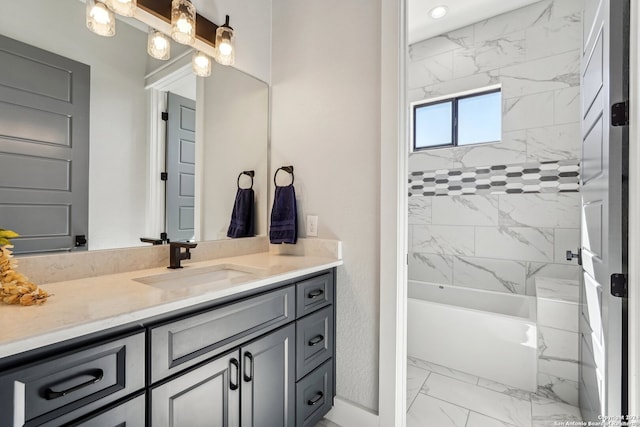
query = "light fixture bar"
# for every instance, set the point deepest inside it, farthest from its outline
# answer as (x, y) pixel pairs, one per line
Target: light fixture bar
(161, 9)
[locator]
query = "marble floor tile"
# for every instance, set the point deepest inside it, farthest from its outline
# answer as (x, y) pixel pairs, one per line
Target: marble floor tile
(479, 420)
(546, 412)
(326, 423)
(479, 399)
(446, 393)
(443, 370)
(504, 389)
(427, 411)
(415, 380)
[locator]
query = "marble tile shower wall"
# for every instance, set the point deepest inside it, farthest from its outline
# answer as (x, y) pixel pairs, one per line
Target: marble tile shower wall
(501, 242)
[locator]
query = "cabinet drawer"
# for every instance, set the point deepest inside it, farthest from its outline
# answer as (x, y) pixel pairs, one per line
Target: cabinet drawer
(314, 341)
(314, 395)
(83, 380)
(186, 342)
(127, 414)
(314, 293)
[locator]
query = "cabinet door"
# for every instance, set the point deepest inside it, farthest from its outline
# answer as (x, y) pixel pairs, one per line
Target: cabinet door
(204, 397)
(268, 380)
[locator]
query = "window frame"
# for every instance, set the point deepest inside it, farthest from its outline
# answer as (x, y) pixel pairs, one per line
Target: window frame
(453, 99)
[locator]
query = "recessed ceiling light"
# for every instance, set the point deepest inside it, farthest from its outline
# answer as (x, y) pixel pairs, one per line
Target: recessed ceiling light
(438, 12)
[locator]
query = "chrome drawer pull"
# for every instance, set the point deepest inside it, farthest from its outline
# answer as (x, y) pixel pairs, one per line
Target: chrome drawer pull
(315, 294)
(97, 375)
(234, 362)
(316, 399)
(316, 340)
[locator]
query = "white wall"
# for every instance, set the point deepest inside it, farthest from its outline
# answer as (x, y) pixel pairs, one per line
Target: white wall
(118, 109)
(326, 123)
(251, 21)
(235, 141)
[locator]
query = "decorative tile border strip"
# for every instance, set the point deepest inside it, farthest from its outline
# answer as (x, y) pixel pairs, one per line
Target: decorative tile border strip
(542, 177)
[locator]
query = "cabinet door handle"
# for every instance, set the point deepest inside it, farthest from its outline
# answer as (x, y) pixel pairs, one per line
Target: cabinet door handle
(315, 340)
(311, 402)
(234, 362)
(248, 357)
(315, 293)
(96, 374)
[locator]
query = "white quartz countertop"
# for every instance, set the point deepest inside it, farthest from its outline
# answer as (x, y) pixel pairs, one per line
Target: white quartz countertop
(84, 306)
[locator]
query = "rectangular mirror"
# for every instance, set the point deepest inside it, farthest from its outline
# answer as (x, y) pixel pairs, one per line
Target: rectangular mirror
(128, 144)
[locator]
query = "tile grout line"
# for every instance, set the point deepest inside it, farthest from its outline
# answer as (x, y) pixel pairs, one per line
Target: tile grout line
(485, 389)
(421, 385)
(446, 401)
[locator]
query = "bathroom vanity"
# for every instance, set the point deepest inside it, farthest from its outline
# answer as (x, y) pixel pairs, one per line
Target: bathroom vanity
(253, 349)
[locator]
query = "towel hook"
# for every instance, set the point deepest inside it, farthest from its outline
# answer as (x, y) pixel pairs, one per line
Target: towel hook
(288, 169)
(250, 174)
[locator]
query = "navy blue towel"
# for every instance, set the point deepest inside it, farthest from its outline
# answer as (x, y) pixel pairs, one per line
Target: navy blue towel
(242, 217)
(284, 216)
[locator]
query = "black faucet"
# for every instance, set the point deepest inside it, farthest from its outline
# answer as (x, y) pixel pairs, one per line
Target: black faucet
(176, 255)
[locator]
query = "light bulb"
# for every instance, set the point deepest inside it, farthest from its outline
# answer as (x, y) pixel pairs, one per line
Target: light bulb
(201, 64)
(100, 15)
(123, 7)
(225, 54)
(225, 48)
(438, 12)
(100, 19)
(183, 22)
(158, 45)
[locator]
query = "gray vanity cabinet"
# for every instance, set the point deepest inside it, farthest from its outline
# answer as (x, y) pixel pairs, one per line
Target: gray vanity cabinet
(260, 374)
(253, 386)
(67, 386)
(127, 414)
(205, 396)
(262, 359)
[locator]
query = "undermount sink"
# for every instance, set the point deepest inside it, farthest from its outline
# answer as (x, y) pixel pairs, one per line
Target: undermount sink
(188, 277)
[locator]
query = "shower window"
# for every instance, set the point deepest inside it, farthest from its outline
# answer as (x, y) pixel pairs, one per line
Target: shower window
(466, 119)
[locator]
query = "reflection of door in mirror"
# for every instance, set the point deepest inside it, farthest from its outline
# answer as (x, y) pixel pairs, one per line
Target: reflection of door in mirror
(44, 148)
(181, 162)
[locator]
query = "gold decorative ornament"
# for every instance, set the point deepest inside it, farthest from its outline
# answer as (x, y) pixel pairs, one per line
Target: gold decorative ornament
(15, 288)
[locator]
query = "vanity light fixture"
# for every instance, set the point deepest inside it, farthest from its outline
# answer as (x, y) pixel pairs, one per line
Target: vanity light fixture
(225, 50)
(438, 12)
(100, 19)
(123, 7)
(158, 45)
(201, 64)
(183, 22)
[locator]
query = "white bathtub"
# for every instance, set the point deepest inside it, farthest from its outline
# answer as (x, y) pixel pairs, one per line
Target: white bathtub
(488, 334)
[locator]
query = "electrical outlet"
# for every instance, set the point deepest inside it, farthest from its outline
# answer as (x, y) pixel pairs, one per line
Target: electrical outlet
(312, 225)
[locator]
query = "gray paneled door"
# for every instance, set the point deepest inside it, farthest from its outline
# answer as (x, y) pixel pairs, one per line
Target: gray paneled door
(604, 147)
(44, 147)
(181, 161)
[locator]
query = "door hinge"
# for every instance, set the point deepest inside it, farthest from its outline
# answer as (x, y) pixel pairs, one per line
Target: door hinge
(620, 114)
(619, 285)
(165, 116)
(164, 176)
